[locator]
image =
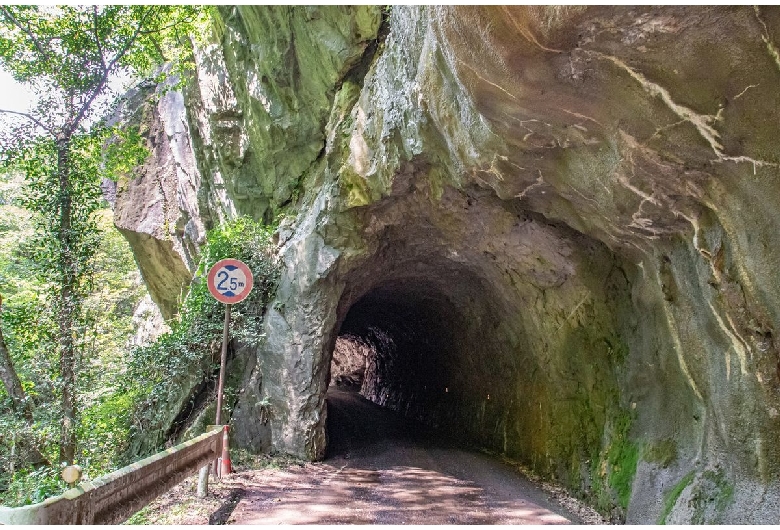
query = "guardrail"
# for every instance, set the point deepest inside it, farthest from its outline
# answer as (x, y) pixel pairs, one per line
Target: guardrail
(113, 498)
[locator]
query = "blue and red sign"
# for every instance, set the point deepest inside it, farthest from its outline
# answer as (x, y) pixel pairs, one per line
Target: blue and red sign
(229, 281)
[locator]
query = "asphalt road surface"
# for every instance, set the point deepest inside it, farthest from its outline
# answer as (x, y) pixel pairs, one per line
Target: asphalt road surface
(383, 470)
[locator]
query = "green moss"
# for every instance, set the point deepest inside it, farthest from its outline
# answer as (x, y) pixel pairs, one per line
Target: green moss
(613, 470)
(670, 499)
(711, 496)
(623, 458)
(662, 452)
(358, 191)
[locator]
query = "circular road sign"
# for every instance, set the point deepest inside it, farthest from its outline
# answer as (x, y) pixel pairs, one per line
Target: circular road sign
(229, 281)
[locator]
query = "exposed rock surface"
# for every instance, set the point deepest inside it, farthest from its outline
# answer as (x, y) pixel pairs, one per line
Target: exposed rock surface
(348, 365)
(555, 228)
(157, 208)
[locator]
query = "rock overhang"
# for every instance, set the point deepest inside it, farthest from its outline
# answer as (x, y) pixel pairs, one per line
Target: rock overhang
(598, 179)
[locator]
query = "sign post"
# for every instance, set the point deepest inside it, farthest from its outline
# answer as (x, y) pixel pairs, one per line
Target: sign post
(229, 281)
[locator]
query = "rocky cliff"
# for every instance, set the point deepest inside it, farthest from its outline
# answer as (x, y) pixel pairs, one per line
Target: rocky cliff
(553, 230)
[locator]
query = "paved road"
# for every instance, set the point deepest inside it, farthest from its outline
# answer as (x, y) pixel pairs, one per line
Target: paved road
(380, 472)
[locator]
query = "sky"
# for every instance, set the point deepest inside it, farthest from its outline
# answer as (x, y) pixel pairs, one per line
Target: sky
(13, 96)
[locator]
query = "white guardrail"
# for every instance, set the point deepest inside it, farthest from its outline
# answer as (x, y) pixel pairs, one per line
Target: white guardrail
(113, 498)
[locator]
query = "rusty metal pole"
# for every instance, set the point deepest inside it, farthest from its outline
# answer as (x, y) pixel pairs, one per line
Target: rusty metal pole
(223, 361)
(217, 464)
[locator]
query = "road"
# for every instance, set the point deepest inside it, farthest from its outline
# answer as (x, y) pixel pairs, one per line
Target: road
(380, 472)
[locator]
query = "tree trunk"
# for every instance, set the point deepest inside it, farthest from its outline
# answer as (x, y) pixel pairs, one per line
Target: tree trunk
(12, 384)
(68, 305)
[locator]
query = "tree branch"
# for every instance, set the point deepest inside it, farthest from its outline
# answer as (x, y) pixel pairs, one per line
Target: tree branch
(31, 118)
(97, 36)
(29, 33)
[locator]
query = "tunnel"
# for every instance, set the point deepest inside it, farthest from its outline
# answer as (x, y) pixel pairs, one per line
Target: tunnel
(417, 345)
(484, 333)
(410, 345)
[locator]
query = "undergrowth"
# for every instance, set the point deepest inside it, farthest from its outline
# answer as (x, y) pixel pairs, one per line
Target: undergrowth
(161, 376)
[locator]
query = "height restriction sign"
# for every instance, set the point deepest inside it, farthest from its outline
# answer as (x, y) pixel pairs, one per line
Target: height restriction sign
(229, 281)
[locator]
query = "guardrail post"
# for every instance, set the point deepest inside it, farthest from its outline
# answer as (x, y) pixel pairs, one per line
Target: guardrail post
(203, 481)
(216, 464)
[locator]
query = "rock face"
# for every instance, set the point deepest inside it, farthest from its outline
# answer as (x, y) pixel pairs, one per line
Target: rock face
(551, 229)
(157, 208)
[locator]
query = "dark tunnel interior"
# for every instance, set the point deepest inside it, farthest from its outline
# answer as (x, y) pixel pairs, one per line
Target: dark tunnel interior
(421, 346)
(406, 339)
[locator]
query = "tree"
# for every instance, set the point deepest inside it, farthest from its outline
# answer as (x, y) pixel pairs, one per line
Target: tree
(14, 389)
(69, 55)
(10, 379)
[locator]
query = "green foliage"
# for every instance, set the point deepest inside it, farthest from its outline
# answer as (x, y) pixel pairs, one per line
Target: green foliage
(163, 373)
(44, 196)
(103, 433)
(59, 314)
(29, 327)
(75, 49)
(31, 486)
(670, 499)
(16, 439)
(68, 56)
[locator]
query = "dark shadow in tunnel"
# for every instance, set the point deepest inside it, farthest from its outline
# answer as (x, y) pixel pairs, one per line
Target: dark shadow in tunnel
(391, 367)
(355, 424)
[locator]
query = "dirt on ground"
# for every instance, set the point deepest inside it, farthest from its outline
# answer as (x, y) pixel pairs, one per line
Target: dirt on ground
(380, 469)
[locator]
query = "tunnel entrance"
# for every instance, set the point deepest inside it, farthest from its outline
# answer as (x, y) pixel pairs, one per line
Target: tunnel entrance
(391, 366)
(491, 326)
(408, 346)
(396, 346)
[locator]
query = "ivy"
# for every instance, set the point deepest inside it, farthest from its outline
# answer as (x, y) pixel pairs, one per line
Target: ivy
(163, 373)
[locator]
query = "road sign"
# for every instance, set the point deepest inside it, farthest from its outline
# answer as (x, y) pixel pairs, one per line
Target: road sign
(229, 281)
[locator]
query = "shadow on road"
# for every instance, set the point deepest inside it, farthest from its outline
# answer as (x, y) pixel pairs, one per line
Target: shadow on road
(223, 513)
(357, 424)
(383, 469)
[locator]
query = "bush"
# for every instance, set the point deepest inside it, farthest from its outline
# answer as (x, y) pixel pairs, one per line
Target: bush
(30, 486)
